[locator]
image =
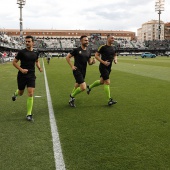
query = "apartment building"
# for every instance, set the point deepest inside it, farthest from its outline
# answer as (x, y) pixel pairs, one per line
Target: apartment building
(150, 31)
(167, 31)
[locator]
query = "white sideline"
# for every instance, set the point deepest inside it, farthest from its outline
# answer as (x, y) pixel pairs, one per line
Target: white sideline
(58, 156)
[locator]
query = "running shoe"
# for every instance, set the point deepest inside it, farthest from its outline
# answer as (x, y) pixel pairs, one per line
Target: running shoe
(111, 102)
(88, 89)
(71, 101)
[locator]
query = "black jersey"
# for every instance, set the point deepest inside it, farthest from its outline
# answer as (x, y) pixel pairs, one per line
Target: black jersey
(27, 60)
(107, 53)
(81, 57)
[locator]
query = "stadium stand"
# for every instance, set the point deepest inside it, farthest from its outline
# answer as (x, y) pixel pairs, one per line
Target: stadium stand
(158, 44)
(10, 42)
(59, 44)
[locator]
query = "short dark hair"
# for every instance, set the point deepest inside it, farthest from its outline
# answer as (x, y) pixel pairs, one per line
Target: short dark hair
(29, 36)
(110, 35)
(83, 36)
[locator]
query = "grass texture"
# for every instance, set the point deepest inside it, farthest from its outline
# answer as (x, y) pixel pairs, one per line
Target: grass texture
(133, 134)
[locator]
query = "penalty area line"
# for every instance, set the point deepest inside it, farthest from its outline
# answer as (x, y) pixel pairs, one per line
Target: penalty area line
(58, 156)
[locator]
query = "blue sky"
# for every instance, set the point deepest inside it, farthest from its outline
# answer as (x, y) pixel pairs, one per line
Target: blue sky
(127, 15)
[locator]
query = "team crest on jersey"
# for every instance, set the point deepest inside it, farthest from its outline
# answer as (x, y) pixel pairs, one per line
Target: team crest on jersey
(79, 52)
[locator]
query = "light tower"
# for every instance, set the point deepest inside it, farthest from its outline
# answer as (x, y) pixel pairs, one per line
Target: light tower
(21, 3)
(159, 6)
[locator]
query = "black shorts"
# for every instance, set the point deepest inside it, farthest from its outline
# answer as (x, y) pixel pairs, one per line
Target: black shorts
(105, 72)
(79, 76)
(25, 80)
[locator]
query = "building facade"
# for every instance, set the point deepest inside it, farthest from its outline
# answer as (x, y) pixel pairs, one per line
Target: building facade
(39, 33)
(167, 31)
(150, 31)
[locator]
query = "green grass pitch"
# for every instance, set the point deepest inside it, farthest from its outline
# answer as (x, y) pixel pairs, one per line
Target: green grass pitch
(131, 135)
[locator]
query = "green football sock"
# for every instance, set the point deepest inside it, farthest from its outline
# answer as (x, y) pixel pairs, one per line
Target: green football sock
(77, 91)
(29, 105)
(16, 92)
(107, 91)
(73, 90)
(95, 84)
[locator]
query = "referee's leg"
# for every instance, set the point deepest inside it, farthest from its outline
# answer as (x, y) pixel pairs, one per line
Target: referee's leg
(30, 101)
(30, 91)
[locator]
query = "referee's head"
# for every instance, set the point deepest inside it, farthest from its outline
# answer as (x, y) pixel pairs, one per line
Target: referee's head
(110, 35)
(29, 41)
(110, 39)
(31, 37)
(83, 36)
(84, 41)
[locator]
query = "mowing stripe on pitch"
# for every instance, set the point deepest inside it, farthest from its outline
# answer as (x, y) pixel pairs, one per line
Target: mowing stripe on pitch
(59, 161)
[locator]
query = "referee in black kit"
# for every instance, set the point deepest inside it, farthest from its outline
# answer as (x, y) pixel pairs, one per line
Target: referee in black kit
(82, 56)
(106, 55)
(26, 75)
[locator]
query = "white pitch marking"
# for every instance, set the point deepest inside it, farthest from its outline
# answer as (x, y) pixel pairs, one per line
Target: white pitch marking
(37, 96)
(59, 161)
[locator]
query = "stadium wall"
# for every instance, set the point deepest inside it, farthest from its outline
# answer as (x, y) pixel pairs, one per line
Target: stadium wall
(39, 33)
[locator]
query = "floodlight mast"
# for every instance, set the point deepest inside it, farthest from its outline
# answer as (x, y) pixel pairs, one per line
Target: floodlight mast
(21, 3)
(159, 6)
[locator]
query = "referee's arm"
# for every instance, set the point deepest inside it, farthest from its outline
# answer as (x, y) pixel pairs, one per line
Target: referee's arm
(115, 58)
(69, 61)
(15, 64)
(97, 56)
(38, 65)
